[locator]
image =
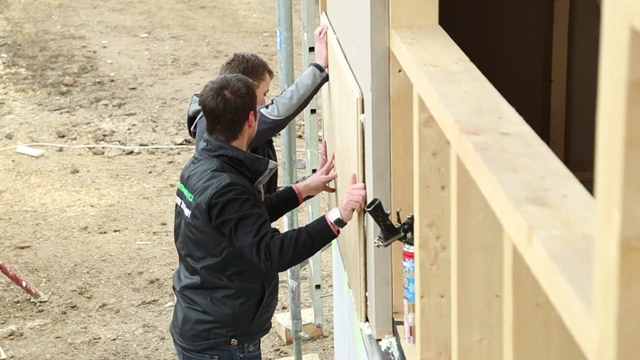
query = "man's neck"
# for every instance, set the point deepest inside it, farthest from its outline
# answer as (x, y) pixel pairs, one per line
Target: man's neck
(240, 143)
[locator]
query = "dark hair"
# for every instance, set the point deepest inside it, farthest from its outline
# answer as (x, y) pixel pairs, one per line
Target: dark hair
(248, 64)
(226, 103)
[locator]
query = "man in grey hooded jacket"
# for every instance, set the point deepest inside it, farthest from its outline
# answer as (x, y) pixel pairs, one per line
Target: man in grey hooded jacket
(275, 116)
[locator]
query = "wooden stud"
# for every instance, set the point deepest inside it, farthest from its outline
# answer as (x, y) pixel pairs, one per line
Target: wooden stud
(617, 268)
(401, 125)
(431, 184)
(476, 270)
(378, 166)
(532, 329)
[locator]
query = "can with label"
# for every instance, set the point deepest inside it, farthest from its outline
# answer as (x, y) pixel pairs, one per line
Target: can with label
(408, 265)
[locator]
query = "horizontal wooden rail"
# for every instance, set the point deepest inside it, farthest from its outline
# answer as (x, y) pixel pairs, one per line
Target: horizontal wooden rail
(540, 205)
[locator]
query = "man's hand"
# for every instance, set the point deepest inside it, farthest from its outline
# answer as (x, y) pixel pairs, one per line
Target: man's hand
(317, 182)
(322, 54)
(354, 199)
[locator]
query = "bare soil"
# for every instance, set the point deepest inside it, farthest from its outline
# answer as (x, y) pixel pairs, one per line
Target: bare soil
(93, 226)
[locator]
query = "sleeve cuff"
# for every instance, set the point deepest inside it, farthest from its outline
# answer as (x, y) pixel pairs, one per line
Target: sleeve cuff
(333, 227)
(318, 67)
(295, 188)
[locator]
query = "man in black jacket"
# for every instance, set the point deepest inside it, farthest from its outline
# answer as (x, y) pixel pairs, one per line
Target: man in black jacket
(226, 284)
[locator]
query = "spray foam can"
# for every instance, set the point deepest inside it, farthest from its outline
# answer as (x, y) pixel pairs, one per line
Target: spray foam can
(408, 265)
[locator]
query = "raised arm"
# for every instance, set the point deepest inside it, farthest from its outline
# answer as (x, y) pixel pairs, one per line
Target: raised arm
(275, 116)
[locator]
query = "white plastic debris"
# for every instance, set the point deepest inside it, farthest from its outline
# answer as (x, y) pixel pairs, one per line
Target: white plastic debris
(25, 150)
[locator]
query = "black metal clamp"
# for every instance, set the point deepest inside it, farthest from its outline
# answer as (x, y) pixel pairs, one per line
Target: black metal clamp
(389, 232)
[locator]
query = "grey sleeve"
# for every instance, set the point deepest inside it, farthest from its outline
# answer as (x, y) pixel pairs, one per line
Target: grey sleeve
(201, 128)
(275, 116)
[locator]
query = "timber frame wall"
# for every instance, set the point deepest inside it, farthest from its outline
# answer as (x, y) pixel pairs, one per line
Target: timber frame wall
(514, 258)
(509, 264)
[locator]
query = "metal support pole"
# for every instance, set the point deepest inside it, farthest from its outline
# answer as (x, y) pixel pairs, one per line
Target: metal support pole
(285, 73)
(309, 10)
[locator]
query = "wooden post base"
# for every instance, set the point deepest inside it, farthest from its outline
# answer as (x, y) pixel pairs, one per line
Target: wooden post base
(283, 326)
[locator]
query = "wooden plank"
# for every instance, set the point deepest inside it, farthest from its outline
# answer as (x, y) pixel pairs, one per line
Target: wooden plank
(532, 328)
(282, 324)
(431, 184)
(401, 126)
(342, 128)
(363, 31)
(476, 270)
(539, 202)
(377, 162)
(617, 276)
(559, 57)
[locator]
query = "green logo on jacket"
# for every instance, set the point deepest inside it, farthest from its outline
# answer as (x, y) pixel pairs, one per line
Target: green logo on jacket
(186, 192)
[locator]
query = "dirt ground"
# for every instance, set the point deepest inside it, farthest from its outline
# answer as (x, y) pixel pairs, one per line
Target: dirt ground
(93, 227)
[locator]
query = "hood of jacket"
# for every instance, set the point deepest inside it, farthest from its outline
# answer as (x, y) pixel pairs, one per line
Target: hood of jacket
(194, 114)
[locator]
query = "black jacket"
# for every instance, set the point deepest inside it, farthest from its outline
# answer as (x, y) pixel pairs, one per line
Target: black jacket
(272, 118)
(226, 283)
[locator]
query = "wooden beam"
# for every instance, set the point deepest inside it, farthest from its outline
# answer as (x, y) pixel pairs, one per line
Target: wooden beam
(476, 270)
(401, 124)
(378, 166)
(532, 328)
(539, 202)
(617, 275)
(559, 58)
(362, 28)
(431, 204)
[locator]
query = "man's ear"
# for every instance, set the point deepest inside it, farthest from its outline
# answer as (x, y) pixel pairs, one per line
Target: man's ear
(252, 121)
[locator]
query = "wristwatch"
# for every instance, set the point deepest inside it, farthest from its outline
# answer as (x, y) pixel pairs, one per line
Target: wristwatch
(336, 218)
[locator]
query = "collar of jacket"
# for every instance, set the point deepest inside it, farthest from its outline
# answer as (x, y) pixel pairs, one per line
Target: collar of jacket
(254, 168)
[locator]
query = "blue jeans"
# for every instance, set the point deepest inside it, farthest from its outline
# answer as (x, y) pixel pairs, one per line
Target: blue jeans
(227, 352)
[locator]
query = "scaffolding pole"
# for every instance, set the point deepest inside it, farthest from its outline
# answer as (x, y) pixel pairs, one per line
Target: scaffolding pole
(285, 74)
(309, 10)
